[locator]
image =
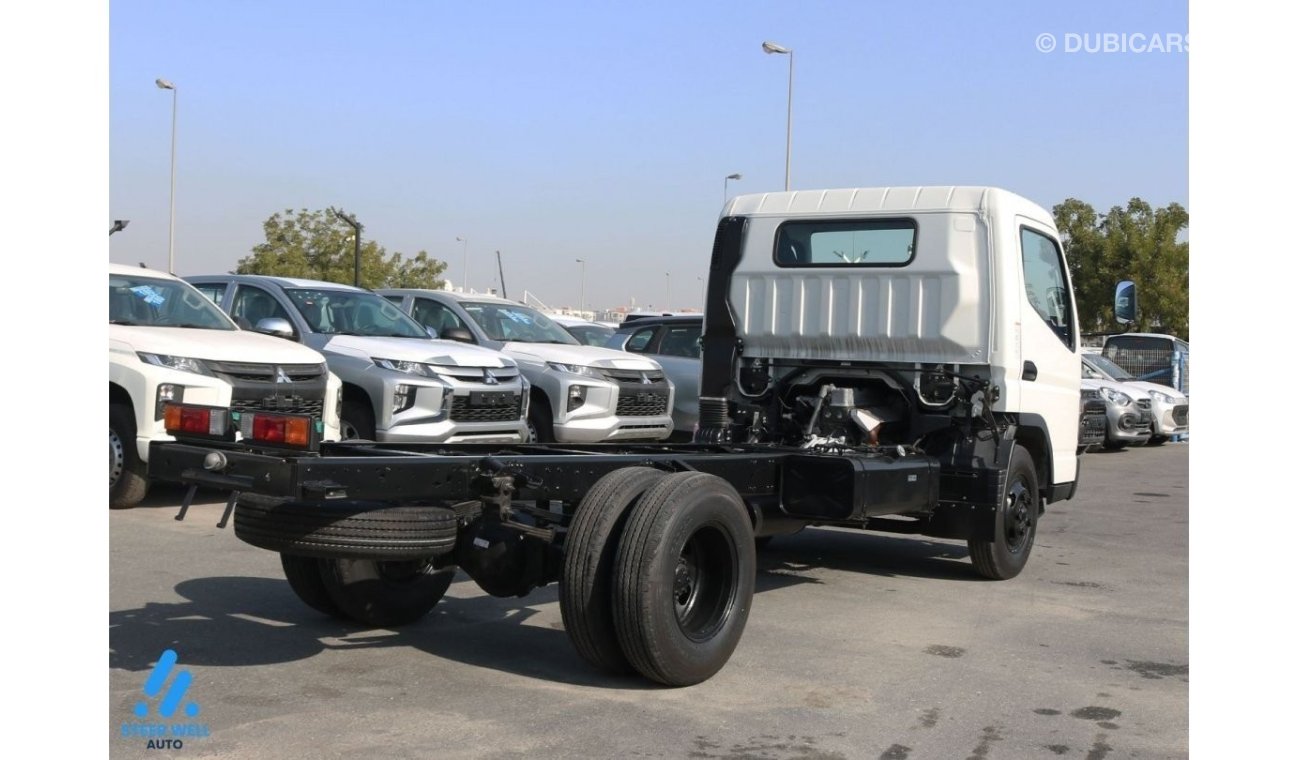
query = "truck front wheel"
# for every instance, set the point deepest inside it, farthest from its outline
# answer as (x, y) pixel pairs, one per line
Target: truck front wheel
(684, 578)
(127, 478)
(1014, 525)
(384, 593)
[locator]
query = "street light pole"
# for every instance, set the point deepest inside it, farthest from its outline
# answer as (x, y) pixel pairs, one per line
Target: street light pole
(728, 178)
(582, 287)
(356, 244)
(118, 226)
(464, 285)
(668, 296)
(701, 279)
(163, 84)
(772, 47)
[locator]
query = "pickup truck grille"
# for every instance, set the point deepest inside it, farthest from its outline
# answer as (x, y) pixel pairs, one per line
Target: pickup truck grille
(474, 409)
(283, 388)
(481, 375)
(1180, 414)
(632, 403)
(635, 377)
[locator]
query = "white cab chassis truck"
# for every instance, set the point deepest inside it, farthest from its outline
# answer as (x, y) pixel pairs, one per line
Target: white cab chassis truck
(892, 359)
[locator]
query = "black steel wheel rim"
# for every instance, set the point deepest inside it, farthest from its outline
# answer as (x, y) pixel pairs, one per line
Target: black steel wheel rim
(1018, 518)
(116, 457)
(704, 582)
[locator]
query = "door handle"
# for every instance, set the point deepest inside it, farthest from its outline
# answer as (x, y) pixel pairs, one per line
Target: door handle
(1030, 372)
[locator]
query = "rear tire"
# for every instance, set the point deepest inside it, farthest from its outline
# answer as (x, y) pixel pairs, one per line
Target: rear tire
(304, 576)
(586, 586)
(128, 480)
(1015, 524)
(684, 578)
(384, 594)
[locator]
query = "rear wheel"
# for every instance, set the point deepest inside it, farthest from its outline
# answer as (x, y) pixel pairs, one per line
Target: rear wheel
(304, 576)
(1014, 525)
(684, 578)
(127, 475)
(384, 593)
(586, 595)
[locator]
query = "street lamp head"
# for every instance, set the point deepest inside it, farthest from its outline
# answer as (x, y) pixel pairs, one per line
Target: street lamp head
(734, 176)
(163, 84)
(772, 47)
(460, 239)
(118, 225)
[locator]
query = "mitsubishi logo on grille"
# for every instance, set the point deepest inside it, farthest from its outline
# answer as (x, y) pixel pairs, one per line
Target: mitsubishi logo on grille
(645, 379)
(281, 376)
(489, 378)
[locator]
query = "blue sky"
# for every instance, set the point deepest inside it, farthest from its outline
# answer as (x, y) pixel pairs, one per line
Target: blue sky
(555, 131)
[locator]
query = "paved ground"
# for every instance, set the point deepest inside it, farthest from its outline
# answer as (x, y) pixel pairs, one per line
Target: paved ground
(858, 646)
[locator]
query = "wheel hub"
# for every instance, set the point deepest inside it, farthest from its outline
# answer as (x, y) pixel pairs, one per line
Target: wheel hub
(1018, 519)
(116, 458)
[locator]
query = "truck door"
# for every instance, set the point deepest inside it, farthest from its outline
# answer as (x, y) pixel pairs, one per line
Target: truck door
(1049, 346)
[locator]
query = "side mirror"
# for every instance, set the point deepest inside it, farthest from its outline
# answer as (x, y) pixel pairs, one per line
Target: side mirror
(458, 334)
(432, 332)
(1126, 302)
(280, 328)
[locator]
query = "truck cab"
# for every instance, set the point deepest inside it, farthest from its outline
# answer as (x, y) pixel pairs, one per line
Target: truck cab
(938, 320)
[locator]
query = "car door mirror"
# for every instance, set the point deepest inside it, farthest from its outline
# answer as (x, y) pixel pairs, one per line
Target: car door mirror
(1126, 302)
(459, 334)
(432, 332)
(276, 326)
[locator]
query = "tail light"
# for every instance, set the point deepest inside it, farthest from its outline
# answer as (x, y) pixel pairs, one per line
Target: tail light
(281, 430)
(190, 421)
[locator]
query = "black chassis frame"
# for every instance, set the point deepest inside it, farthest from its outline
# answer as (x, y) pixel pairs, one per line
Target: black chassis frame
(536, 487)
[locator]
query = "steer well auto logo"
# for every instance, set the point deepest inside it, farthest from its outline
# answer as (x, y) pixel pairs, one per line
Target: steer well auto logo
(162, 713)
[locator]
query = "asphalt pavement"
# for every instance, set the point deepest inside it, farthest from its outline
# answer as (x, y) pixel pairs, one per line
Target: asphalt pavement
(858, 645)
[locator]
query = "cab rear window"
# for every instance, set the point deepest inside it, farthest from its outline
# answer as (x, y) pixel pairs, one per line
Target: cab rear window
(846, 243)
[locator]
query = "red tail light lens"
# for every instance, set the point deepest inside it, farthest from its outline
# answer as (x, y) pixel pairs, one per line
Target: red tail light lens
(180, 419)
(281, 429)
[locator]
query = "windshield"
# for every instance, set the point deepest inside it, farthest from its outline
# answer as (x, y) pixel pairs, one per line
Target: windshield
(352, 312)
(158, 302)
(516, 322)
(1109, 367)
(592, 335)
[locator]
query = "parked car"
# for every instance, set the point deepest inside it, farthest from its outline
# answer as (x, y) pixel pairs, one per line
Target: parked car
(166, 342)
(674, 342)
(1169, 407)
(587, 332)
(398, 383)
(1128, 410)
(581, 394)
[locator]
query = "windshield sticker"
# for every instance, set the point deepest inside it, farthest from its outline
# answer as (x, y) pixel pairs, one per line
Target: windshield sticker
(149, 295)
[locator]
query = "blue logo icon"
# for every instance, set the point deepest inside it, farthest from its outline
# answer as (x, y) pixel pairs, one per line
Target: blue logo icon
(175, 693)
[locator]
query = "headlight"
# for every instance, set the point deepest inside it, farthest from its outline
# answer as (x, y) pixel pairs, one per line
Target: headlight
(1116, 397)
(410, 368)
(573, 369)
(1165, 397)
(180, 363)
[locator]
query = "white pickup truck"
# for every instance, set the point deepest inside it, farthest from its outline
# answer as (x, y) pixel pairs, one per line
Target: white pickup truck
(167, 342)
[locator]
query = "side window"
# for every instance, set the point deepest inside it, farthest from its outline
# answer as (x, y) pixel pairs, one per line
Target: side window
(435, 315)
(1045, 283)
(640, 340)
(681, 341)
(252, 304)
(215, 291)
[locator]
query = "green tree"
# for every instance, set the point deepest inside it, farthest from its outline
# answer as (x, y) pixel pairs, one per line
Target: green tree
(1133, 242)
(318, 245)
